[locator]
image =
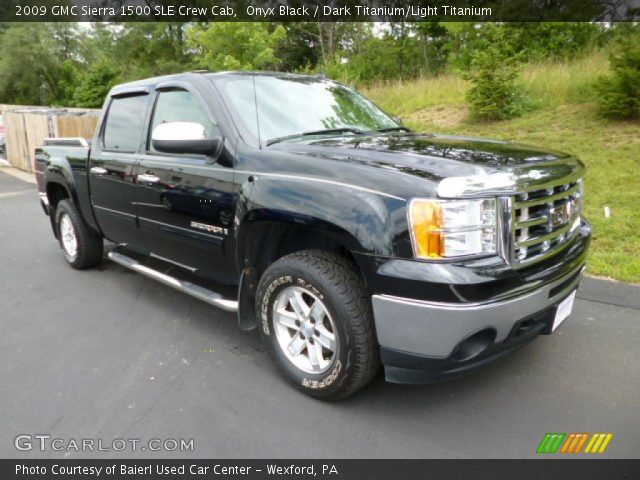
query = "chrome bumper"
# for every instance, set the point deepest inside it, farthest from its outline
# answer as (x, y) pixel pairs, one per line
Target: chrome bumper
(435, 329)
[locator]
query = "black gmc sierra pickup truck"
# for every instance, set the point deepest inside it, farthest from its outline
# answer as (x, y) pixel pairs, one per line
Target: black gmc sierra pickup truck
(348, 240)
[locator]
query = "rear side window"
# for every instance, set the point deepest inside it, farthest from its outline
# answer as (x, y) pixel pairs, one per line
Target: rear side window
(124, 125)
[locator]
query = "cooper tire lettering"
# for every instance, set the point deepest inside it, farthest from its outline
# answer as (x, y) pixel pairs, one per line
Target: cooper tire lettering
(326, 381)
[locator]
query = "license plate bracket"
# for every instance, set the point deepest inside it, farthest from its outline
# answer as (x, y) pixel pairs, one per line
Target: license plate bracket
(563, 311)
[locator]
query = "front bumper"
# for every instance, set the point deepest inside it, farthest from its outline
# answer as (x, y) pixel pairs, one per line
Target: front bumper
(423, 341)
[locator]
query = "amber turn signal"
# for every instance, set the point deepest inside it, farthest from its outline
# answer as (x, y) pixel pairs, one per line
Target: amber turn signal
(426, 224)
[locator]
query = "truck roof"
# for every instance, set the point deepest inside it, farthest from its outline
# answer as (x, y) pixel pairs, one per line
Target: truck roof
(186, 76)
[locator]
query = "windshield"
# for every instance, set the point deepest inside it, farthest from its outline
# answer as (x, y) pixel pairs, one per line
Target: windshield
(289, 106)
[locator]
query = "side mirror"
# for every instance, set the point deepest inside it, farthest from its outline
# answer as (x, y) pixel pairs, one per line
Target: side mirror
(183, 137)
(398, 120)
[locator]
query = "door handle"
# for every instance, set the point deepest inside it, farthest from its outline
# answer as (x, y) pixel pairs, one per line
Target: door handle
(145, 178)
(98, 170)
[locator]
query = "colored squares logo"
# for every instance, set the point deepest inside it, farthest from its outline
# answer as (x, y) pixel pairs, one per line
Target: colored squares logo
(574, 443)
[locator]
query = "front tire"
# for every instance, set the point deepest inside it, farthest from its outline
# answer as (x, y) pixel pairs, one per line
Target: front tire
(316, 321)
(81, 247)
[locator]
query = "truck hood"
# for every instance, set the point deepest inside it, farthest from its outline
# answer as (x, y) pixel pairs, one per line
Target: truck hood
(432, 156)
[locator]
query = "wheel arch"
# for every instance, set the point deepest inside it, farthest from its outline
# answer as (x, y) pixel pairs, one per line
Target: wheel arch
(56, 192)
(263, 239)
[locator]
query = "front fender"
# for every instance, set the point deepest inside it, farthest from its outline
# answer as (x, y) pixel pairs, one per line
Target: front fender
(362, 220)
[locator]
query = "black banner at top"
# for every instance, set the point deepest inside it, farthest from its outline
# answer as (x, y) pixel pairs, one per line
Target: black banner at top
(319, 10)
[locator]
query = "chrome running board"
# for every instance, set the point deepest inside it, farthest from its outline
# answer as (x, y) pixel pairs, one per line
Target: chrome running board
(201, 293)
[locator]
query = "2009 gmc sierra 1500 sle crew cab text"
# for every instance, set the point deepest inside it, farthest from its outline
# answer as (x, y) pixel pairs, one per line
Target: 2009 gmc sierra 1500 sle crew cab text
(349, 241)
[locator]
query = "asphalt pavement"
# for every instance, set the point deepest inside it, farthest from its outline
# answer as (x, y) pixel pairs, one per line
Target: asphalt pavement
(108, 354)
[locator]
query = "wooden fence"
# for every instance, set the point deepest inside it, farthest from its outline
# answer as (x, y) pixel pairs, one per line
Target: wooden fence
(27, 127)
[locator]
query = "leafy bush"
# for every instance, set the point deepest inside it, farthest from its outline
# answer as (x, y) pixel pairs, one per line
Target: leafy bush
(377, 59)
(619, 94)
(554, 40)
(530, 41)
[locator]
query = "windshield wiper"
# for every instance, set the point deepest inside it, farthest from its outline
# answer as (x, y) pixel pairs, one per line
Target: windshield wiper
(328, 131)
(393, 129)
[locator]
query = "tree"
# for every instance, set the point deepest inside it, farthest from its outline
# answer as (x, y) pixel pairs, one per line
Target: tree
(29, 64)
(435, 40)
(93, 86)
(494, 70)
(148, 49)
(236, 45)
(67, 38)
(300, 48)
(619, 93)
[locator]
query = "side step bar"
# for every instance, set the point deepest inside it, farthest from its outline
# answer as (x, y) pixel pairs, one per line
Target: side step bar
(189, 288)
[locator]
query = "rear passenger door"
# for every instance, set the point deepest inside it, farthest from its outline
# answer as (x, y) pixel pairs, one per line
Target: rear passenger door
(185, 202)
(113, 167)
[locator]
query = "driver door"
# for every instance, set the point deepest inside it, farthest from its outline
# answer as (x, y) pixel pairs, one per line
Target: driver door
(185, 202)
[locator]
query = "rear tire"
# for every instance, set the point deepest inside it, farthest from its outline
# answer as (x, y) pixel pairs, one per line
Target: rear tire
(316, 321)
(81, 247)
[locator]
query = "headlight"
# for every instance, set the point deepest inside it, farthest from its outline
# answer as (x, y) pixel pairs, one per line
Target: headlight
(452, 228)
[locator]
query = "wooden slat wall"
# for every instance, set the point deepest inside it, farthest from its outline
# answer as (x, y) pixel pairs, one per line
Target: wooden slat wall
(76, 126)
(26, 129)
(16, 133)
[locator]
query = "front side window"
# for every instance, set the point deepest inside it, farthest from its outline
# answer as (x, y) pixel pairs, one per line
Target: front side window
(179, 106)
(125, 121)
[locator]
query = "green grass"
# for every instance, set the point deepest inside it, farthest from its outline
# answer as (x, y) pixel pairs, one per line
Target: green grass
(565, 118)
(560, 83)
(401, 98)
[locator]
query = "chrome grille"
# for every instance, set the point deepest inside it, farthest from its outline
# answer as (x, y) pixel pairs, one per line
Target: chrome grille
(545, 220)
